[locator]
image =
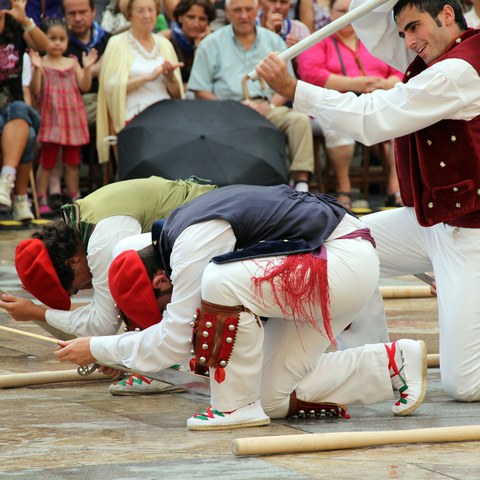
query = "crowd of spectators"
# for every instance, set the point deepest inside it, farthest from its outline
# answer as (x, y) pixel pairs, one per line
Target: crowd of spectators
(148, 52)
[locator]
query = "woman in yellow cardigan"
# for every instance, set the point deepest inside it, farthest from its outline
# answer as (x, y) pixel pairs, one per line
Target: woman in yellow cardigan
(139, 68)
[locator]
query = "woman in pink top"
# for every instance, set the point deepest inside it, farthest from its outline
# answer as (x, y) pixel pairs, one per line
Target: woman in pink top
(341, 62)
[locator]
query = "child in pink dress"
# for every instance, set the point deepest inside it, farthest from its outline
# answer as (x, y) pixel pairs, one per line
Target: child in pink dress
(58, 81)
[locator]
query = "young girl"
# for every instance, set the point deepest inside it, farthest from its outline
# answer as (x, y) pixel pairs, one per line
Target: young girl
(58, 82)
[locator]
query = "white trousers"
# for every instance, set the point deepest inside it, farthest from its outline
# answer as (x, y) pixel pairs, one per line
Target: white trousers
(404, 247)
(292, 356)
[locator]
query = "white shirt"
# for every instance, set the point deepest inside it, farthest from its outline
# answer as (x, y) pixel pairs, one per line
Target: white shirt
(167, 342)
(100, 316)
(148, 93)
(473, 20)
(447, 90)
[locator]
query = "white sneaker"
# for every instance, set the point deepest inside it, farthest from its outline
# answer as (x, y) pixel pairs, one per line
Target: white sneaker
(408, 371)
(138, 385)
(7, 182)
(22, 209)
(249, 416)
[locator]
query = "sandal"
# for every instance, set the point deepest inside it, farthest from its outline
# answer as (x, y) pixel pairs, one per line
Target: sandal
(394, 200)
(344, 199)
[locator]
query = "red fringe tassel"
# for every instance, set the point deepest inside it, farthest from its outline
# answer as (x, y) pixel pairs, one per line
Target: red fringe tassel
(299, 284)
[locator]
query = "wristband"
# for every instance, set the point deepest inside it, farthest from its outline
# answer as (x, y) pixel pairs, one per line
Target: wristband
(31, 25)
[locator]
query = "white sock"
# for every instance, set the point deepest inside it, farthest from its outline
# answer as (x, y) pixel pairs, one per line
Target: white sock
(21, 197)
(301, 186)
(7, 169)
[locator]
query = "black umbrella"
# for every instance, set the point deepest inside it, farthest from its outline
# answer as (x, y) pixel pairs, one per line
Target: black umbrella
(223, 141)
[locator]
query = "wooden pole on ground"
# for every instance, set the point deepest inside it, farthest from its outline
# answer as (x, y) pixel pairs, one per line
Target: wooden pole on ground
(39, 378)
(317, 442)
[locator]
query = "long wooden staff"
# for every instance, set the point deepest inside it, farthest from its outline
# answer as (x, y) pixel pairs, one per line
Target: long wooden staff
(316, 442)
(39, 339)
(325, 32)
(12, 380)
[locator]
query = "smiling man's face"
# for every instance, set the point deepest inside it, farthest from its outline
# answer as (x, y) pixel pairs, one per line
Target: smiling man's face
(428, 37)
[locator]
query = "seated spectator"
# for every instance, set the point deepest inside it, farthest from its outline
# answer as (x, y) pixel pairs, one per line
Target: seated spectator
(19, 122)
(114, 21)
(191, 25)
(274, 16)
(84, 33)
(139, 68)
(221, 63)
(341, 62)
(219, 21)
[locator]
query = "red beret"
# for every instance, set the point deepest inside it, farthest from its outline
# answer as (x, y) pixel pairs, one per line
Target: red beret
(132, 289)
(38, 275)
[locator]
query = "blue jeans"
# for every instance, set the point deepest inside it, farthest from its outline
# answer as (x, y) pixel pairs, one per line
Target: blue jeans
(19, 109)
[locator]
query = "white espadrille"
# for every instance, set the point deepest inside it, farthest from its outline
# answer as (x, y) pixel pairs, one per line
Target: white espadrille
(408, 371)
(250, 415)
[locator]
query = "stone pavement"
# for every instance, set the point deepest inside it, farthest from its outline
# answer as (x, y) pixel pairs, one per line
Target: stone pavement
(78, 430)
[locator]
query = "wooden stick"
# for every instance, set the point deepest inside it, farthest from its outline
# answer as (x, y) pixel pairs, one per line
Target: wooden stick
(316, 442)
(42, 339)
(406, 291)
(39, 378)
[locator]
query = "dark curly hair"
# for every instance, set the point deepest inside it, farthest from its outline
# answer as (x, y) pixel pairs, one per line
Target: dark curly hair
(62, 243)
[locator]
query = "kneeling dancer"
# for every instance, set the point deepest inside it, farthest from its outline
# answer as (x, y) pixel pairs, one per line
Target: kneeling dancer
(232, 258)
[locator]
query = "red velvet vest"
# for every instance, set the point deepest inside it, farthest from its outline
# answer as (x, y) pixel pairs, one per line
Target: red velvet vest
(439, 166)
